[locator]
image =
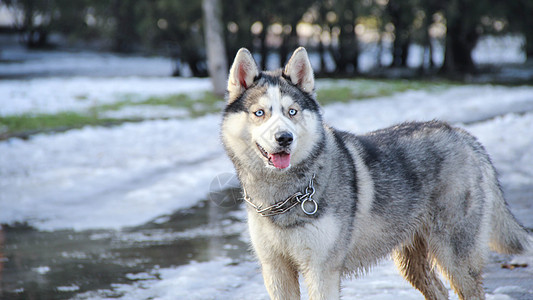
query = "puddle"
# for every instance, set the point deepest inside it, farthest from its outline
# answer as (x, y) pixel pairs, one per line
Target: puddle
(61, 264)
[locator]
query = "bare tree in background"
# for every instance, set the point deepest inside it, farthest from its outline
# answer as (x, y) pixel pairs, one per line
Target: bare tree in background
(214, 41)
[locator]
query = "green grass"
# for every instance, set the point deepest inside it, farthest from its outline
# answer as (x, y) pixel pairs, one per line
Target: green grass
(31, 123)
(349, 90)
(328, 91)
(196, 106)
(13, 125)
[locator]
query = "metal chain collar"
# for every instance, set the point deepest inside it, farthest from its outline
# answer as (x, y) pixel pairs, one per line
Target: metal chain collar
(285, 205)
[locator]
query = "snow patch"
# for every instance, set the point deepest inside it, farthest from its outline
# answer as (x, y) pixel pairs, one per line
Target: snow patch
(53, 95)
(145, 112)
(110, 177)
(57, 63)
(42, 270)
(140, 276)
(68, 288)
(228, 279)
(127, 175)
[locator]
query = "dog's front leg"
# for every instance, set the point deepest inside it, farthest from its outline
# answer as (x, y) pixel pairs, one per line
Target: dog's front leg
(322, 283)
(281, 279)
(280, 274)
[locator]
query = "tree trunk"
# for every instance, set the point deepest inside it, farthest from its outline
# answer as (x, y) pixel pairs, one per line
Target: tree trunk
(401, 17)
(283, 51)
(347, 53)
(28, 23)
(379, 51)
(405, 52)
(263, 50)
(290, 42)
(125, 35)
(430, 8)
(460, 41)
(428, 49)
(461, 38)
(400, 49)
(322, 53)
(529, 45)
(214, 42)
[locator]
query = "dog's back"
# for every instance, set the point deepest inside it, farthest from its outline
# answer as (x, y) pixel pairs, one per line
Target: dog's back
(436, 191)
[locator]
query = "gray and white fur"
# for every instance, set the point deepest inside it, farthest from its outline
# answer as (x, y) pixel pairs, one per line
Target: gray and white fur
(427, 193)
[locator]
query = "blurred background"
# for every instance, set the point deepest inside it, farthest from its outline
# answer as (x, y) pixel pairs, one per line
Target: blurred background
(346, 37)
(114, 182)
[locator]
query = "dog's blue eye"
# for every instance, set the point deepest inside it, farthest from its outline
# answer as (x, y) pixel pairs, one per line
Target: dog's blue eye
(259, 113)
(292, 112)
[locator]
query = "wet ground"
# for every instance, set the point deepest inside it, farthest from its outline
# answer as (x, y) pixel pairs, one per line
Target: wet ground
(499, 272)
(63, 264)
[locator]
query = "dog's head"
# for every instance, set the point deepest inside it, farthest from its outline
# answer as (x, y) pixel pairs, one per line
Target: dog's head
(271, 118)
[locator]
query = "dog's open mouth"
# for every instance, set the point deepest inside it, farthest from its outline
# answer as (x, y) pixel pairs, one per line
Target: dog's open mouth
(280, 160)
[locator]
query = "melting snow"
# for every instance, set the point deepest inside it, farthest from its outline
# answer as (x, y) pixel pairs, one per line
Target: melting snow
(127, 175)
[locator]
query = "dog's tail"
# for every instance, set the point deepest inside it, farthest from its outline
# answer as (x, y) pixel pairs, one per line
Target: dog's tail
(508, 236)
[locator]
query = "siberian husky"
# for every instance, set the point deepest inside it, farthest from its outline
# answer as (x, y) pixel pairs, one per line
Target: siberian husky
(327, 203)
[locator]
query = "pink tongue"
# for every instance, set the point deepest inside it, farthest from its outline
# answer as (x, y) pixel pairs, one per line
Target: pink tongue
(280, 160)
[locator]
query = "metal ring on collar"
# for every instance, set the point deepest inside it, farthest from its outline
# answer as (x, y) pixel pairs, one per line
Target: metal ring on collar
(310, 212)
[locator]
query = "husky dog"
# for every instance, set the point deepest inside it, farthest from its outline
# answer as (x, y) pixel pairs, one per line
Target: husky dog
(327, 203)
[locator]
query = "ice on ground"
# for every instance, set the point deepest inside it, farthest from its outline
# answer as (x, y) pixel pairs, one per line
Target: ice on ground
(163, 236)
(145, 112)
(509, 289)
(489, 49)
(499, 50)
(26, 62)
(109, 177)
(496, 50)
(53, 95)
(462, 104)
(509, 142)
(127, 175)
(140, 276)
(228, 279)
(42, 270)
(68, 288)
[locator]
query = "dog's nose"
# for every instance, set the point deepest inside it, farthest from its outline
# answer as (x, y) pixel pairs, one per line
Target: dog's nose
(284, 138)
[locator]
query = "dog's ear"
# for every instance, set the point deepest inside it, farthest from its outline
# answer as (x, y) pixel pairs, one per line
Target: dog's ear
(299, 70)
(242, 74)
